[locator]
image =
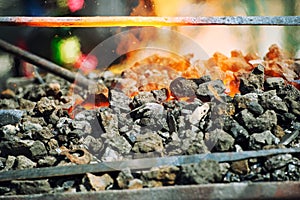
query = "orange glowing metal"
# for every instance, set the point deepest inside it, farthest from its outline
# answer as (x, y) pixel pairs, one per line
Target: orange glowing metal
(113, 21)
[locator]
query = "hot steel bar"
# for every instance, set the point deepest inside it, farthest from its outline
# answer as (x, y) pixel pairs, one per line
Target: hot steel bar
(112, 21)
(137, 164)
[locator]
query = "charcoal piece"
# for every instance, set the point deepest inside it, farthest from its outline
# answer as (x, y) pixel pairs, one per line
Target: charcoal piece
(87, 115)
(165, 175)
(131, 132)
(10, 116)
(257, 124)
(274, 83)
(83, 126)
(254, 82)
(210, 90)
(150, 115)
(202, 79)
(219, 140)
(10, 162)
(124, 177)
(2, 161)
(239, 133)
(240, 167)
(199, 113)
(279, 132)
(118, 142)
(172, 124)
(53, 89)
(24, 163)
(231, 177)
(289, 91)
(269, 100)
(45, 106)
(26, 104)
(8, 130)
(242, 101)
(135, 184)
(111, 155)
(286, 119)
(194, 147)
(94, 145)
(124, 120)
(278, 161)
(8, 104)
(279, 175)
(108, 121)
(98, 183)
(15, 146)
(32, 187)
(255, 108)
(204, 172)
(119, 100)
(259, 140)
(294, 106)
(224, 167)
(64, 125)
(34, 92)
(38, 150)
(160, 95)
(174, 145)
(47, 161)
(142, 98)
(52, 146)
(30, 126)
(44, 134)
(183, 88)
(149, 142)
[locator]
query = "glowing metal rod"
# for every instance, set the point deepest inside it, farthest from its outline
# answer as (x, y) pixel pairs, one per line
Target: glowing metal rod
(119, 21)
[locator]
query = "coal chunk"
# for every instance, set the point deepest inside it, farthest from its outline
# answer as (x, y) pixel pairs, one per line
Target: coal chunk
(160, 95)
(165, 175)
(219, 140)
(38, 149)
(274, 83)
(183, 88)
(239, 133)
(10, 116)
(209, 90)
(45, 106)
(259, 140)
(98, 183)
(255, 108)
(149, 142)
(262, 123)
(270, 100)
(203, 172)
(32, 187)
(119, 100)
(150, 115)
(142, 98)
(254, 82)
(24, 163)
(279, 161)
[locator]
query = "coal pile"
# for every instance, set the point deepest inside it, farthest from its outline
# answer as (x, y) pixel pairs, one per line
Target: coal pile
(38, 129)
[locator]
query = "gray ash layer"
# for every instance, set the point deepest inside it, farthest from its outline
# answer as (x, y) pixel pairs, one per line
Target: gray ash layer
(201, 119)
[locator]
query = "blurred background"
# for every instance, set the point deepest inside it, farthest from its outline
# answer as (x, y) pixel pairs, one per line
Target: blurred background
(68, 46)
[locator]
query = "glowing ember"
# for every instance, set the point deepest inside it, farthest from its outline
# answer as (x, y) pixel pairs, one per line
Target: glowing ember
(155, 72)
